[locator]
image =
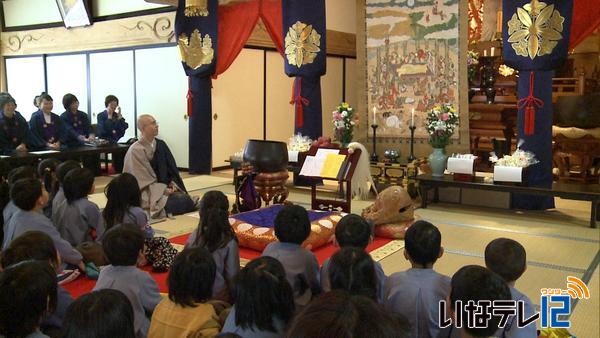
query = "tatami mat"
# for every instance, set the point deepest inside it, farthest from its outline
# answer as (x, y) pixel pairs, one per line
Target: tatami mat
(559, 243)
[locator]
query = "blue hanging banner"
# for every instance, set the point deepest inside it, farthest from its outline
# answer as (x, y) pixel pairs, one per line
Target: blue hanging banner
(305, 57)
(535, 42)
(196, 31)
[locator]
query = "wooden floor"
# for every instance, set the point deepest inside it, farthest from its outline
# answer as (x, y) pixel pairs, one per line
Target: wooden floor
(559, 243)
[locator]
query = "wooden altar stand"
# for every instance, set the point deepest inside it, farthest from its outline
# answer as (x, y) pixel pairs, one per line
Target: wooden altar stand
(344, 180)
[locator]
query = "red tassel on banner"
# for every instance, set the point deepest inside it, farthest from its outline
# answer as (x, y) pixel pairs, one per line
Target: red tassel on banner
(529, 103)
(190, 98)
(299, 102)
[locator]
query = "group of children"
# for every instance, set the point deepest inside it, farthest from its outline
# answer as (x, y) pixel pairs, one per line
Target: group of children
(283, 293)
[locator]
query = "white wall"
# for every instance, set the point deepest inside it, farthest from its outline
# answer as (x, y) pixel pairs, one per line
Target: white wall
(341, 15)
(30, 12)
(111, 7)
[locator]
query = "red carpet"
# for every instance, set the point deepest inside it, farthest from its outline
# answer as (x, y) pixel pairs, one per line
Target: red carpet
(83, 285)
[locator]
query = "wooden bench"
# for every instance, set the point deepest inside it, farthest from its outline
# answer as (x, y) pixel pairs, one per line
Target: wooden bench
(566, 190)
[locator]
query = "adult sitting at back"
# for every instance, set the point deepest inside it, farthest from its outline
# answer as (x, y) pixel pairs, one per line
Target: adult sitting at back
(151, 162)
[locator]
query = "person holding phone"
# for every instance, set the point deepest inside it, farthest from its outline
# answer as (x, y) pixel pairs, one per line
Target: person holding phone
(112, 126)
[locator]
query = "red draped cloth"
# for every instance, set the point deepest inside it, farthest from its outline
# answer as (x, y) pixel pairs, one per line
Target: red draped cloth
(586, 19)
(236, 23)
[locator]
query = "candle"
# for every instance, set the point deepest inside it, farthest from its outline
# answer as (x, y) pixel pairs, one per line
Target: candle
(485, 52)
(412, 118)
(492, 51)
(374, 115)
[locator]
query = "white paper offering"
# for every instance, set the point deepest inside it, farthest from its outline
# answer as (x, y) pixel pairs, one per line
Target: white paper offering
(460, 165)
(292, 156)
(507, 174)
(312, 166)
(41, 152)
(322, 153)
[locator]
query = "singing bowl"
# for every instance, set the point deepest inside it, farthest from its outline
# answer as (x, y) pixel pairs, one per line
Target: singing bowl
(266, 156)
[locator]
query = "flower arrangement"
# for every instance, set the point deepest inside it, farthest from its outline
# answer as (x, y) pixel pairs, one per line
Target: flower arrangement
(472, 62)
(344, 121)
(519, 158)
(442, 121)
(299, 143)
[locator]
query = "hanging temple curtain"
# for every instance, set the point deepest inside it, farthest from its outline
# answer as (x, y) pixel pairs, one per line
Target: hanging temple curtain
(586, 19)
(233, 24)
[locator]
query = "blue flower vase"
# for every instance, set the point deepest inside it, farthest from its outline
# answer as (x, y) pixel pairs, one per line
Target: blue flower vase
(438, 160)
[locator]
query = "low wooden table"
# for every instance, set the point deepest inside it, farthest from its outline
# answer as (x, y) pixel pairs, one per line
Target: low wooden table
(566, 190)
(28, 158)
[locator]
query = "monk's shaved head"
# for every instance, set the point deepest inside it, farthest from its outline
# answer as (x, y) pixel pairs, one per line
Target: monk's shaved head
(144, 120)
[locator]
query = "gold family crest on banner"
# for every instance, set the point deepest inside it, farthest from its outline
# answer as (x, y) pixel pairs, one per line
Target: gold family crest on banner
(302, 44)
(196, 8)
(535, 29)
(196, 51)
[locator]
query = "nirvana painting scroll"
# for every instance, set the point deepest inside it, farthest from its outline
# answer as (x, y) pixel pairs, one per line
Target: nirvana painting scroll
(412, 61)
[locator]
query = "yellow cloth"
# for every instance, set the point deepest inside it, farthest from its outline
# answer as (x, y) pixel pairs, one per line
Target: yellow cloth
(174, 321)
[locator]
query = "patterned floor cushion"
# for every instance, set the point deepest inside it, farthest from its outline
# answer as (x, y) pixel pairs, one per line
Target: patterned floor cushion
(255, 229)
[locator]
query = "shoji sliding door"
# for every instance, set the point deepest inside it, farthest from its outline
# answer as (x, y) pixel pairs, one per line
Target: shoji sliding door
(25, 80)
(331, 91)
(280, 113)
(112, 73)
(68, 74)
(161, 89)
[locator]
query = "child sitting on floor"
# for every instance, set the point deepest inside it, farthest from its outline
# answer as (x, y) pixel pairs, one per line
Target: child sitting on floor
(416, 292)
(186, 312)
(264, 301)
(36, 245)
(351, 269)
(123, 206)
(14, 175)
(100, 314)
(292, 227)
(508, 259)
(30, 197)
(476, 283)
(123, 247)
(46, 171)
(216, 235)
(77, 219)
(354, 231)
(27, 292)
(61, 171)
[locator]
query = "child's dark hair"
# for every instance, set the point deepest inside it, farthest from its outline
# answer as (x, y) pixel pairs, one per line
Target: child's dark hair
(18, 173)
(77, 184)
(31, 245)
(123, 244)
(63, 169)
(353, 230)
(4, 193)
(122, 193)
(423, 242)
(104, 313)
(292, 224)
(262, 293)
(352, 269)
(45, 96)
(27, 292)
(46, 171)
(476, 283)
(507, 258)
(25, 193)
(214, 230)
(191, 277)
(339, 314)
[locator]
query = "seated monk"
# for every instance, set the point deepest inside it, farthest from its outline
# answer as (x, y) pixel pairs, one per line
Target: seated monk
(151, 162)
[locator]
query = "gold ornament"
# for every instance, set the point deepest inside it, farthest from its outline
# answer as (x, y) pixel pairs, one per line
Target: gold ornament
(196, 51)
(302, 44)
(196, 8)
(505, 70)
(535, 29)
